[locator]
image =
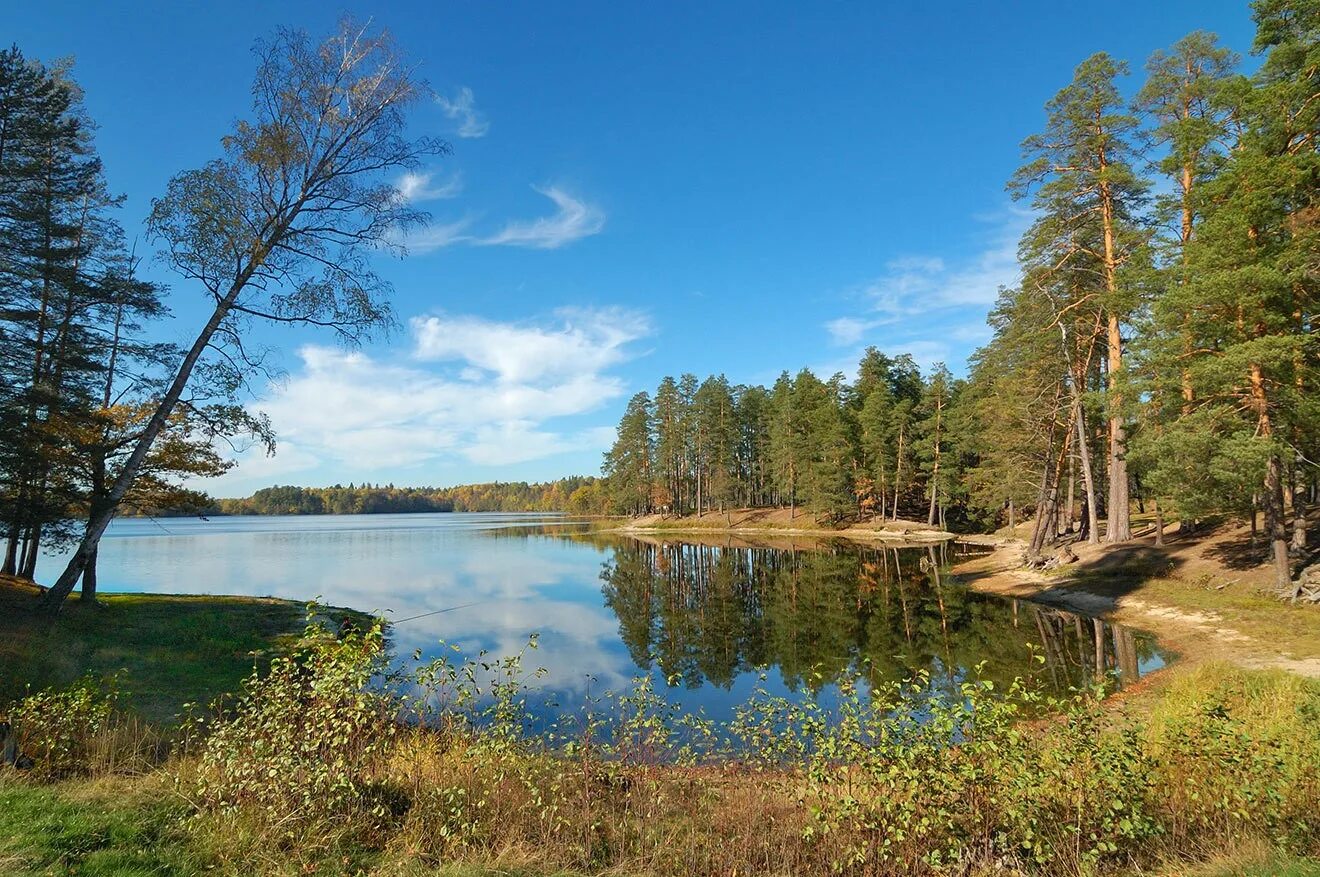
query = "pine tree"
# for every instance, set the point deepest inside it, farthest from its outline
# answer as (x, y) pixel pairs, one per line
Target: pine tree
(670, 443)
(1195, 128)
(716, 438)
(628, 463)
(1082, 171)
(785, 422)
(1252, 290)
(65, 278)
(752, 457)
(933, 445)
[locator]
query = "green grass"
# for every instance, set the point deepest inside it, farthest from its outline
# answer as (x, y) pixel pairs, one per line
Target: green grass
(1251, 862)
(132, 828)
(170, 650)
(119, 829)
(57, 830)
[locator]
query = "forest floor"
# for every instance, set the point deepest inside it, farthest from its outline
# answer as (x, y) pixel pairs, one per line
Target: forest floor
(781, 522)
(1207, 595)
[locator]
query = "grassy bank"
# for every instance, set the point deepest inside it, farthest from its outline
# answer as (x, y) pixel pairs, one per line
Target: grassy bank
(167, 649)
(309, 771)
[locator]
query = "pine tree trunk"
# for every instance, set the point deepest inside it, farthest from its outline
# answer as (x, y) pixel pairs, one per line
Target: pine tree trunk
(1119, 525)
(31, 551)
(1159, 522)
(24, 541)
(1071, 507)
(1047, 498)
(11, 552)
(1088, 478)
(898, 469)
(1275, 527)
(935, 470)
(1299, 512)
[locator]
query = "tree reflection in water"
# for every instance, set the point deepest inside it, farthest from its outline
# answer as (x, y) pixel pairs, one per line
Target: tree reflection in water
(705, 614)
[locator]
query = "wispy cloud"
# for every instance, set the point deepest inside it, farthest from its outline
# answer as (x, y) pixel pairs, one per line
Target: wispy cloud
(434, 237)
(846, 331)
(422, 186)
(574, 219)
(463, 108)
(931, 307)
(916, 284)
(925, 285)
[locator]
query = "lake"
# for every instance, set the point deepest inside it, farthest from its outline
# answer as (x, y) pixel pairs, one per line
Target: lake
(710, 623)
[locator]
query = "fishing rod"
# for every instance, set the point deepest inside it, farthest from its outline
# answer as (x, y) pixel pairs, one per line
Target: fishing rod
(438, 612)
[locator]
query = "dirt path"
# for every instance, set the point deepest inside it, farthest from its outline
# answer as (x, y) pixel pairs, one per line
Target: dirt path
(1198, 620)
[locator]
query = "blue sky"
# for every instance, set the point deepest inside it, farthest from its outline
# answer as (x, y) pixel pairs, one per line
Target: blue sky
(636, 190)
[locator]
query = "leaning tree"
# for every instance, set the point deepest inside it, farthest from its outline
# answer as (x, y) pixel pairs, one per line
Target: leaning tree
(282, 227)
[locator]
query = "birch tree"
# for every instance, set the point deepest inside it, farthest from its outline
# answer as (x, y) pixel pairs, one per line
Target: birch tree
(282, 226)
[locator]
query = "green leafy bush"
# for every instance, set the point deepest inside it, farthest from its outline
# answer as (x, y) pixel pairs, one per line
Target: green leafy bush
(301, 741)
(63, 731)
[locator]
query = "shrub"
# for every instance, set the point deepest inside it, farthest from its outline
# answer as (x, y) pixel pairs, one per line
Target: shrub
(71, 731)
(932, 776)
(299, 745)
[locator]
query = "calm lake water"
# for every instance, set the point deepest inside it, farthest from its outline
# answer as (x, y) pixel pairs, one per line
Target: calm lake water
(702, 620)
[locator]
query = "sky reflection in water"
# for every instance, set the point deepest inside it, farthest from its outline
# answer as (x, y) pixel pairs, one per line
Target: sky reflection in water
(703, 617)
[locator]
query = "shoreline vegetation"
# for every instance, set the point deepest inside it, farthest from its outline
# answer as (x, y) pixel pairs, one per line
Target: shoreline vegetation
(1106, 786)
(781, 522)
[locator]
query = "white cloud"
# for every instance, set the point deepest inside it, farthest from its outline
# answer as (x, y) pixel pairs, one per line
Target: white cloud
(434, 237)
(845, 331)
(582, 341)
(913, 285)
(473, 390)
(421, 186)
(922, 285)
(463, 107)
(929, 306)
(574, 219)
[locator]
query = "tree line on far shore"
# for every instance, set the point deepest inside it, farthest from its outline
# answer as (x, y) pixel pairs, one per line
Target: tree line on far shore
(1160, 347)
(574, 494)
(877, 446)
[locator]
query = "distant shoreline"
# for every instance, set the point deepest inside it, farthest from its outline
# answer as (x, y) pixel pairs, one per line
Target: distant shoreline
(782, 522)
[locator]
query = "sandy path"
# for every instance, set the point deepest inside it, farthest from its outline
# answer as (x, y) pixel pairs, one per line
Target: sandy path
(1195, 635)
